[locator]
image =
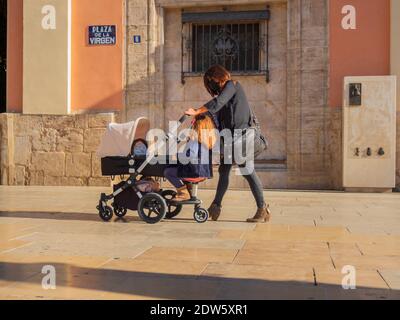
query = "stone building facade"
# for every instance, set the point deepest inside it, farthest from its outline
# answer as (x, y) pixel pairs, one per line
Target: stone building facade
(293, 107)
(303, 131)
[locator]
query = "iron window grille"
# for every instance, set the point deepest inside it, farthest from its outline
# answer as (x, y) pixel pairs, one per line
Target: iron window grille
(237, 40)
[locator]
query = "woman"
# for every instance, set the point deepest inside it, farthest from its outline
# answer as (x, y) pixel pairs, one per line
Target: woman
(230, 104)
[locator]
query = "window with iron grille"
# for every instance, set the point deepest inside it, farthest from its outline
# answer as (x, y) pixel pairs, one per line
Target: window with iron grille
(234, 46)
(238, 40)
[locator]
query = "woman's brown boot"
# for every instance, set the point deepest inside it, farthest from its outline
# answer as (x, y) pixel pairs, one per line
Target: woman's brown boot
(262, 215)
(214, 211)
(182, 194)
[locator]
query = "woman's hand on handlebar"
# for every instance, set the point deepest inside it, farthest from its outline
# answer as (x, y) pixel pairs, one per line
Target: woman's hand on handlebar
(191, 112)
(194, 112)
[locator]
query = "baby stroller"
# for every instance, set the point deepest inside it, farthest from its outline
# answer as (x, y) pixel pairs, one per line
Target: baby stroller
(123, 152)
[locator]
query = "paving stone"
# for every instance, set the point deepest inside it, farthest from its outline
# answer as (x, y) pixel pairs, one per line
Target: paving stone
(191, 254)
(181, 259)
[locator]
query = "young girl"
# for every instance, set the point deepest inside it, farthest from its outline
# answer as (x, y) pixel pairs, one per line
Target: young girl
(197, 151)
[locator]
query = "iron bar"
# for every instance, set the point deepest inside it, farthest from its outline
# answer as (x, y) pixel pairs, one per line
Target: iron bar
(238, 45)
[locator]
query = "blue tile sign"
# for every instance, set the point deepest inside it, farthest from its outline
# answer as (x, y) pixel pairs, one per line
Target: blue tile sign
(102, 35)
(137, 39)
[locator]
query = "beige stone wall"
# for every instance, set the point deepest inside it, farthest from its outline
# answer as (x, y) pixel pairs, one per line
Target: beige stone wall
(143, 75)
(309, 151)
(52, 150)
(293, 107)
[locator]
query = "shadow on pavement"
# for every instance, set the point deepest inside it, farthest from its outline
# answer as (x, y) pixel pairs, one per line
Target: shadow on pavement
(132, 284)
(80, 216)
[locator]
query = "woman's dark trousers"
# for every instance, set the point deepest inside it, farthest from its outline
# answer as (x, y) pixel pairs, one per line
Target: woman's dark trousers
(223, 183)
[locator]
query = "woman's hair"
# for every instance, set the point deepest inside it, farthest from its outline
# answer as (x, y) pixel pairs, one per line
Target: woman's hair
(205, 130)
(215, 78)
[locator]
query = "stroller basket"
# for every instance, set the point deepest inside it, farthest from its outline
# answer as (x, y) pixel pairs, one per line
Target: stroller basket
(114, 166)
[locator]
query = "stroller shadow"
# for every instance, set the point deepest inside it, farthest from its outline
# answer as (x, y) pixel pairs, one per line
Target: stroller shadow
(142, 284)
(93, 217)
(77, 216)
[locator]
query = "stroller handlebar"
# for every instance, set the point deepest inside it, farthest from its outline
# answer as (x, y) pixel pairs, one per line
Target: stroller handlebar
(183, 118)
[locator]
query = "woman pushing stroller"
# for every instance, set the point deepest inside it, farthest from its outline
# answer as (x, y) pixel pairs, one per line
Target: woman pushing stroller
(231, 106)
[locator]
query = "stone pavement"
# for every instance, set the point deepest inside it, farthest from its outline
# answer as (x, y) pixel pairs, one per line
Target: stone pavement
(299, 255)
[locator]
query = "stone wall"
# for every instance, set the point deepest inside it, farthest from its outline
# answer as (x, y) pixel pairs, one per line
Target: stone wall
(302, 128)
(309, 154)
(144, 83)
(52, 150)
(294, 106)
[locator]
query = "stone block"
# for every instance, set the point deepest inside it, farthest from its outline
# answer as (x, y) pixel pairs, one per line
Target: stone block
(27, 124)
(78, 165)
(81, 121)
(36, 178)
(58, 122)
(272, 115)
(50, 163)
(4, 175)
(313, 141)
(137, 81)
(96, 166)
(312, 163)
(100, 120)
(137, 13)
(20, 179)
(314, 58)
(137, 61)
(72, 181)
(70, 140)
(22, 150)
(175, 90)
(45, 140)
(99, 182)
(135, 112)
(277, 144)
(52, 181)
(255, 88)
(195, 91)
(91, 139)
(138, 98)
(64, 181)
(172, 60)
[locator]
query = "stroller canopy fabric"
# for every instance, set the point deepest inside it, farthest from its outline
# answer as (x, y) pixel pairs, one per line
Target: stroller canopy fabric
(119, 137)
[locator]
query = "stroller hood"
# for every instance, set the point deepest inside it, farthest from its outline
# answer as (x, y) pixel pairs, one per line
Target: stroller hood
(118, 139)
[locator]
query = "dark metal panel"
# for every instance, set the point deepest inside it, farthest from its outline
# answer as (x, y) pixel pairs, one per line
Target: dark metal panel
(224, 16)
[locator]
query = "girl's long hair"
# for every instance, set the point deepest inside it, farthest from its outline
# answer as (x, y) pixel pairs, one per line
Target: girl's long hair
(205, 130)
(215, 78)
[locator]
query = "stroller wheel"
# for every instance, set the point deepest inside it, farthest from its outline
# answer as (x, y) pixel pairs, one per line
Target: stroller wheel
(120, 212)
(152, 208)
(200, 215)
(173, 209)
(105, 213)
